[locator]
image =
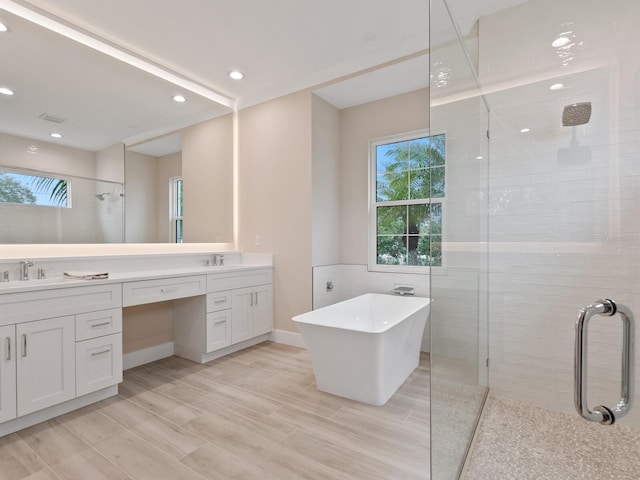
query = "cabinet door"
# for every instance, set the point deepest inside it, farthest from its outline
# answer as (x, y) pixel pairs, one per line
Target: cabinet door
(46, 363)
(241, 307)
(262, 309)
(7, 373)
(218, 330)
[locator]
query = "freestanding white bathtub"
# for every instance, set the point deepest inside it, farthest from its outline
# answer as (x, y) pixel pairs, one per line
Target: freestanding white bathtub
(366, 347)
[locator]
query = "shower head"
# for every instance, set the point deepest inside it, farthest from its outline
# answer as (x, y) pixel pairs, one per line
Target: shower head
(576, 114)
(100, 196)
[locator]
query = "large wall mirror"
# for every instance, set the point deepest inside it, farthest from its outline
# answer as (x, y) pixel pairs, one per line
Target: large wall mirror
(101, 180)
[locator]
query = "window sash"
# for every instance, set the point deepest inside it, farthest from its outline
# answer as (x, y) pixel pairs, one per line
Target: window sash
(375, 204)
(176, 209)
(33, 188)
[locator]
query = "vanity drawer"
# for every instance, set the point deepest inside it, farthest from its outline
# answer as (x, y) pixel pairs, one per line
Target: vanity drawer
(58, 302)
(218, 330)
(150, 291)
(218, 301)
(238, 279)
(98, 324)
(98, 363)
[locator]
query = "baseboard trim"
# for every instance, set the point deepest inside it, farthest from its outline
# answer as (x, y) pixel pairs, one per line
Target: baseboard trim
(56, 410)
(287, 338)
(147, 355)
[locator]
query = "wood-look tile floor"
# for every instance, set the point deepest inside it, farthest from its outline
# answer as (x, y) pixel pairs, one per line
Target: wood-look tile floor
(255, 414)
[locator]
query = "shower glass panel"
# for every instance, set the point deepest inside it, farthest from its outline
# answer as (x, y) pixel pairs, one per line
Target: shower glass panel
(459, 287)
(562, 80)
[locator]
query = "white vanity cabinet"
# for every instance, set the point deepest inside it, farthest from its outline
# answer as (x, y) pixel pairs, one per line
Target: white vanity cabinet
(45, 363)
(237, 313)
(61, 342)
(7, 373)
(57, 345)
(252, 312)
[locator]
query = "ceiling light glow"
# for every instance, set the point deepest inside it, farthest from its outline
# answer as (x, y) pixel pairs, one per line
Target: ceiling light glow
(236, 75)
(3, 27)
(556, 86)
(6, 91)
(102, 46)
(56, 135)
(525, 130)
(479, 157)
(179, 99)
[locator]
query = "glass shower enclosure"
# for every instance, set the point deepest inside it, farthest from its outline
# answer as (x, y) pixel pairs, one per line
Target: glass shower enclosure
(459, 289)
(544, 226)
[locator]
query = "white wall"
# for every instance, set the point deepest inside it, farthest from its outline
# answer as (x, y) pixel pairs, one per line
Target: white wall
(275, 199)
(207, 173)
(110, 163)
(49, 157)
(325, 183)
(141, 198)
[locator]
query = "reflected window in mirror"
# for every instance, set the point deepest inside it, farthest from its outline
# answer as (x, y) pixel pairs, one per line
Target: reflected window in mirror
(176, 210)
(27, 188)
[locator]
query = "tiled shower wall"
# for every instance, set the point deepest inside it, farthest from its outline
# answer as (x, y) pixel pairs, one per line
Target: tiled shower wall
(563, 206)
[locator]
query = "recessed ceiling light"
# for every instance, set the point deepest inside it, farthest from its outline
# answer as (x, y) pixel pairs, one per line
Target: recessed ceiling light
(6, 91)
(3, 27)
(556, 86)
(56, 135)
(179, 99)
(236, 75)
(560, 42)
(479, 157)
(525, 130)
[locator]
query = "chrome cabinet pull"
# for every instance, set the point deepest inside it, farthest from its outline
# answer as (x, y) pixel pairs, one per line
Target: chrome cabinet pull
(103, 324)
(8, 348)
(256, 294)
(93, 354)
(602, 414)
(168, 290)
(251, 299)
(219, 322)
(219, 301)
(24, 344)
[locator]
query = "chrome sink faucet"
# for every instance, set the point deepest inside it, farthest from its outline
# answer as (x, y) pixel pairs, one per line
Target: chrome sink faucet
(24, 269)
(217, 260)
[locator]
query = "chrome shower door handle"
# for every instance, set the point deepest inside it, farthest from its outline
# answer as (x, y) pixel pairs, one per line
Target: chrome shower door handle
(602, 414)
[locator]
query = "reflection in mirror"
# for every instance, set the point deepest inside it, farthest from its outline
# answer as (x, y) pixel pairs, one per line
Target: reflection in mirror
(201, 156)
(151, 169)
(56, 194)
(97, 104)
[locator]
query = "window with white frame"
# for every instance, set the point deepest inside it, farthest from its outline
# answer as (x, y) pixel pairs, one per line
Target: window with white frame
(29, 188)
(407, 193)
(176, 210)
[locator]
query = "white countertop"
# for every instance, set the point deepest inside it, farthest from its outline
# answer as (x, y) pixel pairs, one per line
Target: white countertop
(16, 286)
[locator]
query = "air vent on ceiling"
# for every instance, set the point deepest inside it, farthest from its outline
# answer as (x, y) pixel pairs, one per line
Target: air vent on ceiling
(51, 118)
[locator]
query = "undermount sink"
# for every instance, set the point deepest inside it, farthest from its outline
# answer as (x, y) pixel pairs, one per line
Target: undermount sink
(33, 282)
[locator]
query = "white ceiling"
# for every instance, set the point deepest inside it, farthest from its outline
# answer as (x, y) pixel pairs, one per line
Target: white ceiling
(282, 46)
